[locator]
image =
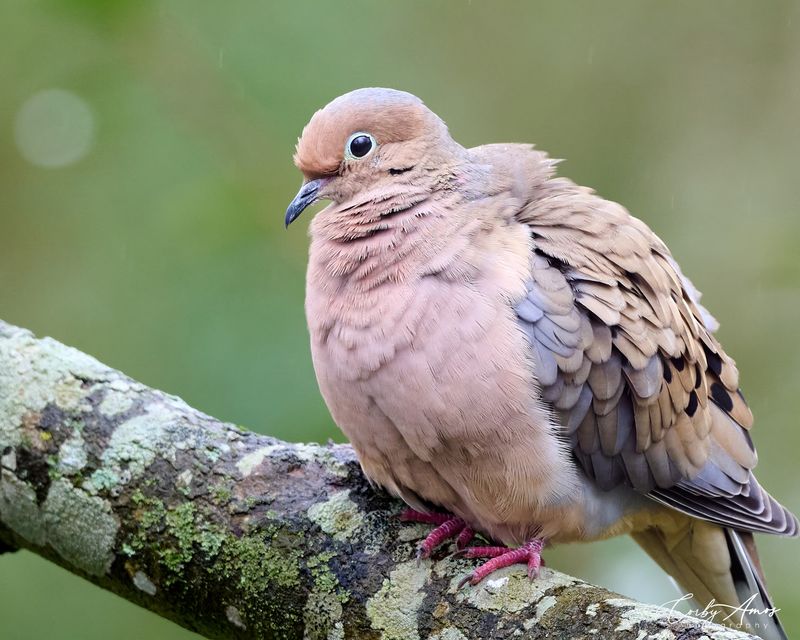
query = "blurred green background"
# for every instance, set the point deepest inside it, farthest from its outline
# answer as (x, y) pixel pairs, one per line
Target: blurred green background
(145, 166)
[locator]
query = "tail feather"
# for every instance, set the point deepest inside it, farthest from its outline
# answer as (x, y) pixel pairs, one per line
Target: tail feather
(720, 568)
(751, 588)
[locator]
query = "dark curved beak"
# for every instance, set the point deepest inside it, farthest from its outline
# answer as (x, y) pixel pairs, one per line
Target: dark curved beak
(304, 198)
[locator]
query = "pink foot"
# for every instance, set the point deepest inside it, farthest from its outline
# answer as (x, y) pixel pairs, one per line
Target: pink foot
(447, 527)
(530, 553)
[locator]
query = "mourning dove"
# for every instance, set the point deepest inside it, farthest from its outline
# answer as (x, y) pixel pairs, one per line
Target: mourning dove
(511, 350)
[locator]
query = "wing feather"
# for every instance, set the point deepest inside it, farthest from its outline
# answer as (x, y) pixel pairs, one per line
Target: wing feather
(626, 357)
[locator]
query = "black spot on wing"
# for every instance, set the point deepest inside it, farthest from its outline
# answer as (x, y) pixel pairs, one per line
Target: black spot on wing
(714, 362)
(691, 408)
(720, 396)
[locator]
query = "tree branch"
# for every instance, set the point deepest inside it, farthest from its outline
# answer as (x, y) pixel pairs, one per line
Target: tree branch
(237, 535)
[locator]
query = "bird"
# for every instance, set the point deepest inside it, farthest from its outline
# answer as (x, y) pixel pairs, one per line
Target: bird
(513, 355)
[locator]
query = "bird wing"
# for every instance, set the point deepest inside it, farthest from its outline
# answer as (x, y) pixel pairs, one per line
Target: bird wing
(626, 357)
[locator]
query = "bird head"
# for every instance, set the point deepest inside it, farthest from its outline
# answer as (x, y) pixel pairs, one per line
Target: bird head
(364, 139)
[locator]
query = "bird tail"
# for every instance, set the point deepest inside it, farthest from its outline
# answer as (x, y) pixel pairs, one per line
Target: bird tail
(720, 568)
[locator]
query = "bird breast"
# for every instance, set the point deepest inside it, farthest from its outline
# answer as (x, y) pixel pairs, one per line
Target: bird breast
(431, 381)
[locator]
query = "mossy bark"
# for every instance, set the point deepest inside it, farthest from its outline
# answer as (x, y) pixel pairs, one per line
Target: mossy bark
(238, 535)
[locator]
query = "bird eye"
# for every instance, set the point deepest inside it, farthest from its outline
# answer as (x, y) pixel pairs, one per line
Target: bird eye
(358, 145)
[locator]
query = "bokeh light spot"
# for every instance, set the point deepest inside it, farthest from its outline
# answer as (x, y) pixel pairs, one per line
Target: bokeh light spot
(54, 128)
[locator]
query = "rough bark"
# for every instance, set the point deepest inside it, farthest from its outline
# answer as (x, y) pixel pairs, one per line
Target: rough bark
(238, 535)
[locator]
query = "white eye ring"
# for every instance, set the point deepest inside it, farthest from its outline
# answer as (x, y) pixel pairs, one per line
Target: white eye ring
(359, 145)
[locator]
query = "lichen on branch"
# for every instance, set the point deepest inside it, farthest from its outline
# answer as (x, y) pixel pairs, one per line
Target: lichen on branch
(238, 535)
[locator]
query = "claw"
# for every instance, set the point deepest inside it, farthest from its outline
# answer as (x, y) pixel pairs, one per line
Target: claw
(447, 526)
(446, 530)
(534, 563)
(529, 553)
(465, 537)
(467, 578)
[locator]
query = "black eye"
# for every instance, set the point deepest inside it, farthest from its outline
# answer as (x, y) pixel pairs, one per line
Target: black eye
(360, 146)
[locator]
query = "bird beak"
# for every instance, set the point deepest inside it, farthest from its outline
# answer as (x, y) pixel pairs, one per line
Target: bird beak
(307, 196)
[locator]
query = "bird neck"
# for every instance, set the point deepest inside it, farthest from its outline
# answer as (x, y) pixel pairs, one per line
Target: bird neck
(383, 236)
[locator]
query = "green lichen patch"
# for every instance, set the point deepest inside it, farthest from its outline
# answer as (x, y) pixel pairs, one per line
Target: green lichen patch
(338, 515)
(80, 527)
(510, 589)
(323, 611)
(542, 607)
(182, 529)
(9, 460)
(323, 456)
(634, 614)
(375, 537)
(322, 615)
(102, 480)
(260, 569)
(72, 456)
(74, 362)
(212, 452)
(70, 395)
(258, 564)
(306, 453)
(413, 531)
(181, 533)
(324, 578)
(248, 463)
(19, 509)
(149, 515)
(116, 401)
(393, 610)
(135, 443)
(449, 633)
(220, 494)
(184, 482)
(34, 373)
